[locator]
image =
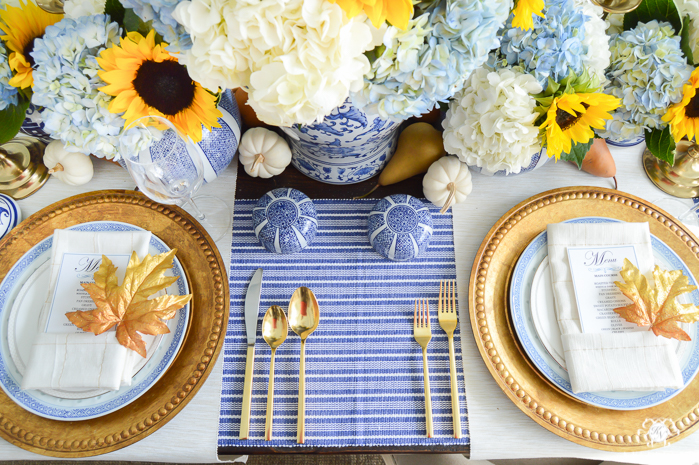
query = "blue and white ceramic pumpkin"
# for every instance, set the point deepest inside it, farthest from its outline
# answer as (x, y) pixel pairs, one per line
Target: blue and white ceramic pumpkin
(10, 214)
(285, 221)
(347, 147)
(400, 227)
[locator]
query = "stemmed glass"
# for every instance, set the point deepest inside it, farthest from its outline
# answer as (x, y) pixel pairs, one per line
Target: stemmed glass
(171, 171)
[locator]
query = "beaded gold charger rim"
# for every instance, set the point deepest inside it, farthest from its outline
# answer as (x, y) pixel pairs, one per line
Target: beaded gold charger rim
(583, 424)
(207, 277)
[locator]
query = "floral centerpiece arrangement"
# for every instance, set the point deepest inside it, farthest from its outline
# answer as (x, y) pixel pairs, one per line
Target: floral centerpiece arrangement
(91, 77)
(542, 89)
(651, 72)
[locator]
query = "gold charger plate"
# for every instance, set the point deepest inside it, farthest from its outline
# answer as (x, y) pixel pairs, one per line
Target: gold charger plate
(206, 274)
(595, 427)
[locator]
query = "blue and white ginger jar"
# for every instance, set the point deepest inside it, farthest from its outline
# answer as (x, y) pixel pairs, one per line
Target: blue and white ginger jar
(10, 214)
(400, 227)
(285, 221)
(347, 147)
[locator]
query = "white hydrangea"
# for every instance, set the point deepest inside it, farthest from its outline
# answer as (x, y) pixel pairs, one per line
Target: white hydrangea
(596, 40)
(297, 59)
(77, 8)
(490, 123)
(691, 8)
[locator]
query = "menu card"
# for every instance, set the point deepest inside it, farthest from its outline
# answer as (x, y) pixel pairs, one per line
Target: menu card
(594, 270)
(69, 295)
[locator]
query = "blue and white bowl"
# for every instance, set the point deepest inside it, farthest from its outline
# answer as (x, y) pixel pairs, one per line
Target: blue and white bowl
(285, 221)
(400, 227)
(10, 214)
(538, 160)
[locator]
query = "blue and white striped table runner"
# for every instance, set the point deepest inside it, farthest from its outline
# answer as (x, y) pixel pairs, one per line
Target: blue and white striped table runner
(364, 384)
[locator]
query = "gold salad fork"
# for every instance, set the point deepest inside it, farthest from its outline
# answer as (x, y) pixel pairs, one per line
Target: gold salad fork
(423, 333)
(446, 311)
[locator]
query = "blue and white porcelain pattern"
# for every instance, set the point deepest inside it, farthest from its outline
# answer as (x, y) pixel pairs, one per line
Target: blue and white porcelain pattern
(348, 147)
(33, 125)
(538, 160)
(216, 148)
(10, 214)
(400, 227)
(626, 143)
(285, 221)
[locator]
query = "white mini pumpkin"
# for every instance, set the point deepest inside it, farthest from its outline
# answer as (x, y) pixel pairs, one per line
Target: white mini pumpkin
(264, 153)
(72, 168)
(447, 182)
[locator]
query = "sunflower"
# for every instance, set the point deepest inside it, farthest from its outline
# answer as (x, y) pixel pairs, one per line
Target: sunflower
(22, 26)
(684, 115)
(146, 80)
(571, 117)
(396, 12)
(523, 11)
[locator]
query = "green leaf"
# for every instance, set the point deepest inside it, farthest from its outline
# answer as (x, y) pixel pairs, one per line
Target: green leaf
(648, 10)
(684, 40)
(115, 10)
(11, 119)
(661, 144)
(577, 152)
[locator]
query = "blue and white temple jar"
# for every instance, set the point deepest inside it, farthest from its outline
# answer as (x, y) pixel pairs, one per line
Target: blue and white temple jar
(626, 142)
(538, 160)
(347, 147)
(217, 147)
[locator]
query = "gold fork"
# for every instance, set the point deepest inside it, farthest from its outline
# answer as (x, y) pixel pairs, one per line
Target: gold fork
(446, 311)
(423, 334)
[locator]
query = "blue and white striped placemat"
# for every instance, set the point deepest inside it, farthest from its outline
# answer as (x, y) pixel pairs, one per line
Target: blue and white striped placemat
(364, 384)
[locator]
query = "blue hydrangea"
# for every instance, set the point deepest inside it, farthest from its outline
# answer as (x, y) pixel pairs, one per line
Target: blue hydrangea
(430, 62)
(66, 84)
(552, 48)
(8, 93)
(647, 72)
(160, 12)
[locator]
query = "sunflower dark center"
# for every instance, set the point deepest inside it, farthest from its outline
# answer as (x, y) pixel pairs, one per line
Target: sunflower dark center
(565, 120)
(165, 86)
(692, 109)
(28, 49)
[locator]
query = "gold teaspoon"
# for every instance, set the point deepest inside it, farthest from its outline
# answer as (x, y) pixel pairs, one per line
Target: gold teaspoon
(274, 331)
(304, 314)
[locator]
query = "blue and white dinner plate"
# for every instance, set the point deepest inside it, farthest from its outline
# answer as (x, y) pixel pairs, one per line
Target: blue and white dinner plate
(73, 409)
(542, 357)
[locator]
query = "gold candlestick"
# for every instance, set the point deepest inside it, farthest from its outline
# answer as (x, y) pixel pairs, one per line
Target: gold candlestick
(682, 178)
(21, 170)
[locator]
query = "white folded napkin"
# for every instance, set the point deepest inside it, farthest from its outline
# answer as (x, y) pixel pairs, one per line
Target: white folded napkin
(82, 360)
(635, 361)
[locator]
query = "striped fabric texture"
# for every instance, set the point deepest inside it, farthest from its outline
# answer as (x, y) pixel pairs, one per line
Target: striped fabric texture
(364, 382)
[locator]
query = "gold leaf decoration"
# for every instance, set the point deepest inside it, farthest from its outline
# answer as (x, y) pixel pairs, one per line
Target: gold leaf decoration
(656, 306)
(128, 305)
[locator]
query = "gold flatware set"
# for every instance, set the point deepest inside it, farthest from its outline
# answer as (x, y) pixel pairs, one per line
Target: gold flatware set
(304, 316)
(422, 330)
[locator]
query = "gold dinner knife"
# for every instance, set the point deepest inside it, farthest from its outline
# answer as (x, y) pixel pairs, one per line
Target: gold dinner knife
(252, 310)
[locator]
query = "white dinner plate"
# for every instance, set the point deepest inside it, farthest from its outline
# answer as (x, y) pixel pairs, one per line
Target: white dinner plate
(533, 317)
(28, 274)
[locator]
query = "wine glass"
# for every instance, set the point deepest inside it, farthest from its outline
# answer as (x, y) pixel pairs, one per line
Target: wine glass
(167, 167)
(680, 209)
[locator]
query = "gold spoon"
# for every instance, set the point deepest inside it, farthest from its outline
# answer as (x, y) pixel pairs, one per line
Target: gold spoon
(274, 331)
(51, 6)
(304, 314)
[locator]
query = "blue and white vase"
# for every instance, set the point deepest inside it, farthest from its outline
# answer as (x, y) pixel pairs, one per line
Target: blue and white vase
(33, 125)
(626, 142)
(285, 221)
(348, 147)
(10, 214)
(217, 147)
(399, 227)
(538, 160)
